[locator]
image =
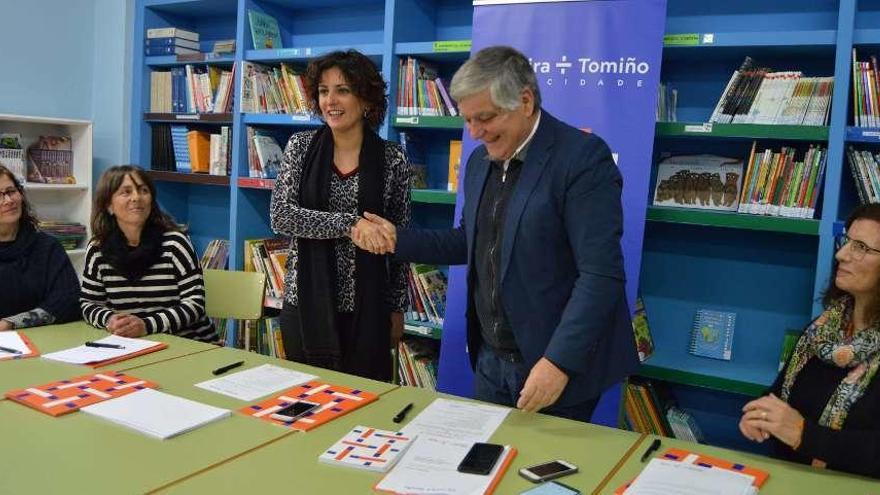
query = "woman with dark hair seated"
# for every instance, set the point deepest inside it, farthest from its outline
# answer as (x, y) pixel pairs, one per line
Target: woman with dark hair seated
(343, 306)
(142, 275)
(824, 408)
(39, 283)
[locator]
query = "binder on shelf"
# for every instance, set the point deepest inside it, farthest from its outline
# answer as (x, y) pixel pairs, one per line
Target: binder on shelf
(66, 396)
(335, 401)
(712, 334)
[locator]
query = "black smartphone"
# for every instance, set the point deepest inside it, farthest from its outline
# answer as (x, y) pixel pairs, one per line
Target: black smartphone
(481, 458)
(295, 411)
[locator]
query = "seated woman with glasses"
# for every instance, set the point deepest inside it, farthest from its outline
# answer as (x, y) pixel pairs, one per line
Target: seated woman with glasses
(39, 285)
(142, 275)
(824, 408)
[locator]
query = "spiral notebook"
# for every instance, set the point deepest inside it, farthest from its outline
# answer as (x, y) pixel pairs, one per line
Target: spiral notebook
(712, 334)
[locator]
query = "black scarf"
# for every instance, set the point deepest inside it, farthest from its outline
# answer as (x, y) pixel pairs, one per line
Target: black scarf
(133, 262)
(369, 352)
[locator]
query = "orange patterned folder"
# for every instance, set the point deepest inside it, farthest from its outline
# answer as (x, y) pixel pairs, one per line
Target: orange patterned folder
(335, 401)
(98, 364)
(760, 477)
(66, 396)
(30, 345)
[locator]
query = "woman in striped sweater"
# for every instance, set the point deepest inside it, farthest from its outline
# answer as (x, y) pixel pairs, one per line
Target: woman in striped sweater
(141, 275)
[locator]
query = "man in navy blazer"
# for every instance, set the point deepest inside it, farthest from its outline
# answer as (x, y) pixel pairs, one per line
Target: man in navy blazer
(547, 319)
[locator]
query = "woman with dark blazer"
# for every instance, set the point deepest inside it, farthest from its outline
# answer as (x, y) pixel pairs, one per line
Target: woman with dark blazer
(39, 284)
(824, 408)
(343, 306)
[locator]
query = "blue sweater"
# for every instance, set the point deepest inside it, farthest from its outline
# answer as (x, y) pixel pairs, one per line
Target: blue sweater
(36, 273)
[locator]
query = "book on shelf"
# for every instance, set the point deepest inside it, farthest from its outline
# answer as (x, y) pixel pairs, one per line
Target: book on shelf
(641, 331)
(171, 41)
(417, 363)
(866, 84)
(155, 51)
(192, 89)
(426, 289)
(261, 336)
(454, 165)
(420, 91)
(268, 256)
(789, 341)
(50, 160)
(778, 184)
(864, 166)
(760, 95)
(706, 182)
(667, 103)
(216, 255)
(269, 155)
(645, 408)
(199, 143)
(264, 30)
(368, 448)
(712, 334)
(224, 47)
(172, 32)
(273, 90)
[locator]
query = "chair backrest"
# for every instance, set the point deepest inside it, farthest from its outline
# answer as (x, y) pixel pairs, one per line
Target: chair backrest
(233, 294)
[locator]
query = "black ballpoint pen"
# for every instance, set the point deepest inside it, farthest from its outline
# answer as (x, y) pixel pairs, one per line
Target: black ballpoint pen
(402, 414)
(654, 446)
(108, 346)
(224, 369)
(10, 350)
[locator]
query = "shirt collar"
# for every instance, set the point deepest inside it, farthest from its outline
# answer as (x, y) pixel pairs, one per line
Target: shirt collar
(520, 153)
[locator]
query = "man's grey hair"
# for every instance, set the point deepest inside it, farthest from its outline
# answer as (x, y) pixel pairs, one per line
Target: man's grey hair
(502, 69)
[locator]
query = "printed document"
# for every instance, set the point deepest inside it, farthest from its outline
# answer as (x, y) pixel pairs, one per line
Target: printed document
(256, 382)
(83, 354)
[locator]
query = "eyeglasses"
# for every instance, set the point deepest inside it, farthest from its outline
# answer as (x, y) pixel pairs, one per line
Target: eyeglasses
(9, 194)
(859, 248)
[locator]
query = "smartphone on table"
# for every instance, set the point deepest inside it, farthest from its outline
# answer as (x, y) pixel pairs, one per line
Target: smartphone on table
(294, 411)
(481, 458)
(547, 470)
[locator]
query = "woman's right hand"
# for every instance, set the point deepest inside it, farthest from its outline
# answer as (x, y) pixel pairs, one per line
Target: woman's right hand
(371, 237)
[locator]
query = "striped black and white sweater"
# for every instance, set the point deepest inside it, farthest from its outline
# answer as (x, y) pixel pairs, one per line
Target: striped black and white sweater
(169, 297)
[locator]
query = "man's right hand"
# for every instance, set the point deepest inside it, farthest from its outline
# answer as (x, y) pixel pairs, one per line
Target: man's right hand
(371, 235)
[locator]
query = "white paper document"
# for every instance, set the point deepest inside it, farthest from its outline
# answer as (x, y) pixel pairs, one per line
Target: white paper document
(664, 477)
(256, 382)
(83, 354)
(457, 420)
(12, 340)
(431, 467)
(156, 413)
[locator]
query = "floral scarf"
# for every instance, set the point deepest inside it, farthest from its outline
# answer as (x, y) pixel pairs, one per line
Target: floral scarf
(827, 338)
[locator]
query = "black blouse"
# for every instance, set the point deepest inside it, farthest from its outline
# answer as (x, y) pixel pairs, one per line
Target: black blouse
(855, 448)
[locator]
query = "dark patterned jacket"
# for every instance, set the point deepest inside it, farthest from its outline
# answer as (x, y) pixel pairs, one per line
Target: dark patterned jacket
(291, 220)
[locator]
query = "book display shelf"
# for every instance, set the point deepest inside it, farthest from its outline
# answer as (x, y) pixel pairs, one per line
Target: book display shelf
(237, 207)
(770, 271)
(59, 202)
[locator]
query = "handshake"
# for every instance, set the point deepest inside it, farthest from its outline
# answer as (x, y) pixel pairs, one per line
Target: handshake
(374, 234)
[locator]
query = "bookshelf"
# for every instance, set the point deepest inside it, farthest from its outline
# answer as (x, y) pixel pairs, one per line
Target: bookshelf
(65, 202)
(768, 270)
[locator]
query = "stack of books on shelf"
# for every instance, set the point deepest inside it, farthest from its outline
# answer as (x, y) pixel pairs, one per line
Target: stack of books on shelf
(667, 104)
(426, 291)
(261, 336)
(12, 154)
(264, 154)
(171, 41)
(421, 92)
(216, 255)
(70, 234)
(192, 89)
(866, 84)
(268, 256)
(863, 166)
(645, 411)
(177, 148)
(223, 47)
(777, 184)
(417, 364)
(267, 89)
(757, 95)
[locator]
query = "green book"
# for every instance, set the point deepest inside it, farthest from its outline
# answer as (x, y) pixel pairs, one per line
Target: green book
(789, 341)
(264, 31)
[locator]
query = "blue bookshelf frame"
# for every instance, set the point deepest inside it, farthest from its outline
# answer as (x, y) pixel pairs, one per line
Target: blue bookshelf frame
(682, 251)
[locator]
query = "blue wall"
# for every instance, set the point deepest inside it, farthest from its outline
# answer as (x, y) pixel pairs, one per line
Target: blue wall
(66, 58)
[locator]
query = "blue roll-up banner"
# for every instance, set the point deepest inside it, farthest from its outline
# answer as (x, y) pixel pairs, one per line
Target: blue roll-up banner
(598, 68)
